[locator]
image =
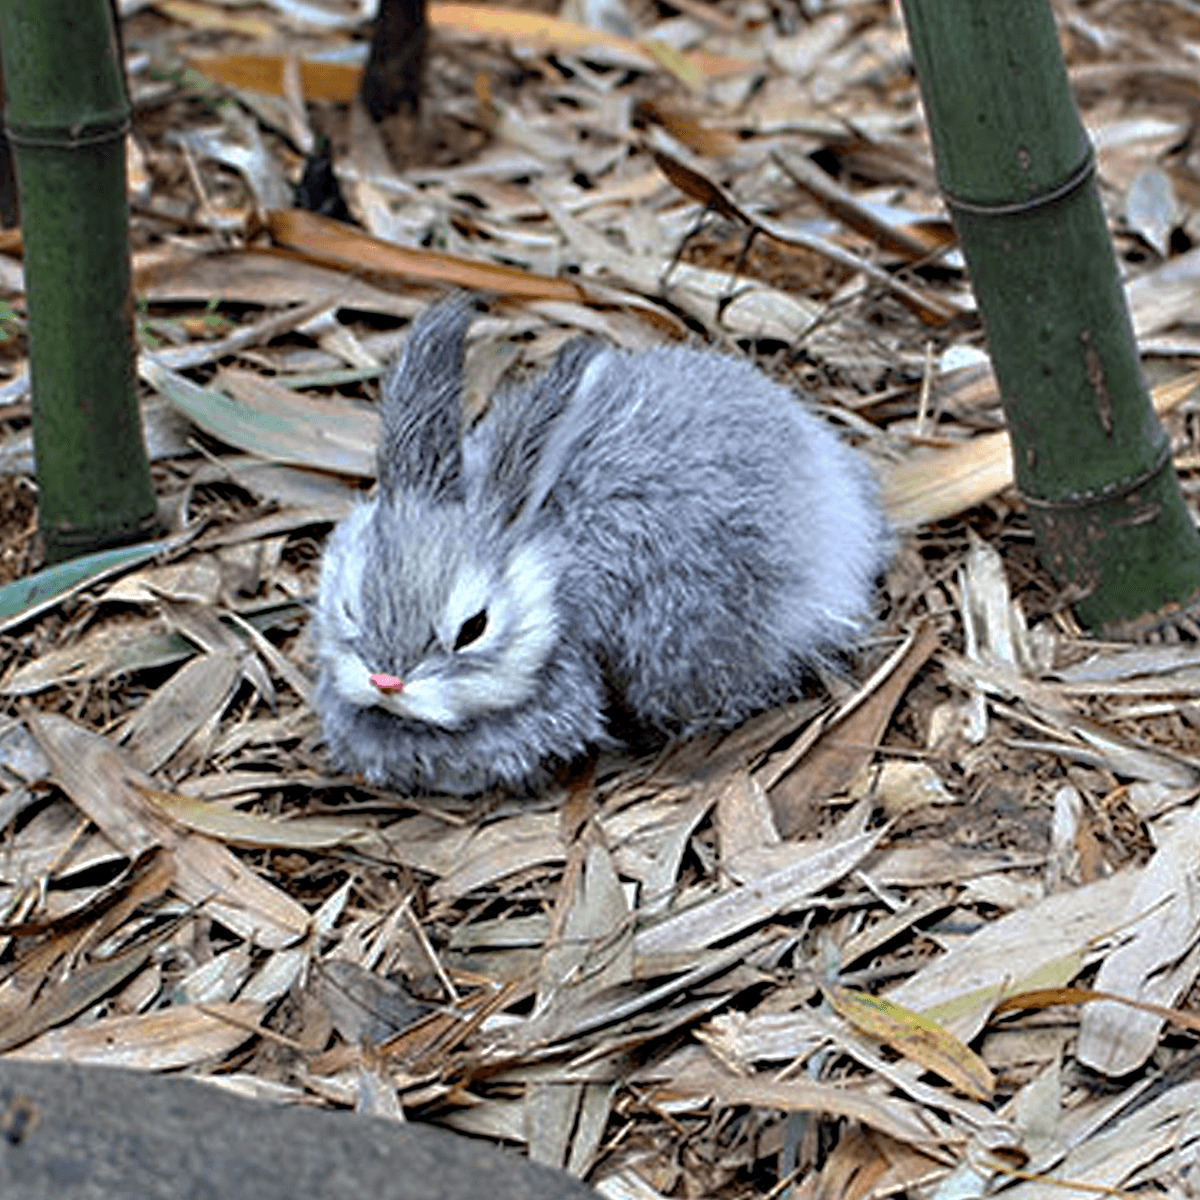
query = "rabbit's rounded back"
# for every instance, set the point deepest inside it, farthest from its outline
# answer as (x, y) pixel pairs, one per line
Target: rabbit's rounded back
(667, 532)
(724, 539)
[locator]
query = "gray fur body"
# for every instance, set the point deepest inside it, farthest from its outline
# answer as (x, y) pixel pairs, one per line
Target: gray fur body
(668, 534)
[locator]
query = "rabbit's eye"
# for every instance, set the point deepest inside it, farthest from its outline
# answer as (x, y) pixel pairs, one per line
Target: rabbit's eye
(471, 629)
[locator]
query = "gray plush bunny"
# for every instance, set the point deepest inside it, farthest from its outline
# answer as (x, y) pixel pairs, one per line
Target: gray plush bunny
(664, 541)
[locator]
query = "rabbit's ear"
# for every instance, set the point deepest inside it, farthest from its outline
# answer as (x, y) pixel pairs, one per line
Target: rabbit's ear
(421, 448)
(531, 416)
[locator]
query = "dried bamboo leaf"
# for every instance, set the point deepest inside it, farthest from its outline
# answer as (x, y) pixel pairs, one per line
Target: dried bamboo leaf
(1093, 740)
(941, 484)
(1118, 663)
(1158, 963)
(550, 1113)
(247, 829)
(178, 710)
(95, 777)
(211, 18)
(235, 895)
(104, 650)
(113, 794)
(197, 580)
(82, 988)
(219, 979)
(627, 1184)
(500, 849)
(591, 944)
(982, 969)
(25, 598)
(594, 1112)
(916, 1037)
(649, 841)
(741, 908)
(1050, 997)
(744, 820)
(305, 437)
(328, 241)
(900, 1119)
(1165, 1125)
(160, 1041)
(847, 744)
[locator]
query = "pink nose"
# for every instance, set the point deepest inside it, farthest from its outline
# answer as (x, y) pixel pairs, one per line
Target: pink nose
(387, 683)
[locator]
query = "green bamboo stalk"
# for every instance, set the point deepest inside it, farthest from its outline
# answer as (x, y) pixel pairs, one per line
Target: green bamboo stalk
(67, 115)
(1017, 172)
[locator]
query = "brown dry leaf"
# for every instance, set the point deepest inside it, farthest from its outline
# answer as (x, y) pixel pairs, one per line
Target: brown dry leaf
(754, 309)
(961, 988)
(842, 204)
(589, 956)
(327, 242)
(916, 1037)
(1159, 961)
(180, 710)
(111, 792)
(337, 83)
(247, 829)
(161, 1041)
(903, 787)
(900, 1119)
(939, 484)
(590, 948)
(1073, 734)
(1050, 997)
(847, 745)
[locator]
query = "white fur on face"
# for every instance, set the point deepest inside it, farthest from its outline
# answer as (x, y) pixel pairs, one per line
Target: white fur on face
(519, 632)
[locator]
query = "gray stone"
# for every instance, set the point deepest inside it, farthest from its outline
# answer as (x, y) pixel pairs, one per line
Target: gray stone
(97, 1133)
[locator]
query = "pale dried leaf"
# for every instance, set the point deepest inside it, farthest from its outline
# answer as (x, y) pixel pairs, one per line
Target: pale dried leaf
(502, 849)
(1162, 1126)
(1159, 961)
(248, 829)
(904, 1121)
(340, 440)
(161, 1041)
(784, 890)
(1151, 208)
(903, 787)
(110, 791)
(181, 708)
(195, 581)
(591, 949)
(964, 984)
(551, 1110)
(649, 841)
(103, 651)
